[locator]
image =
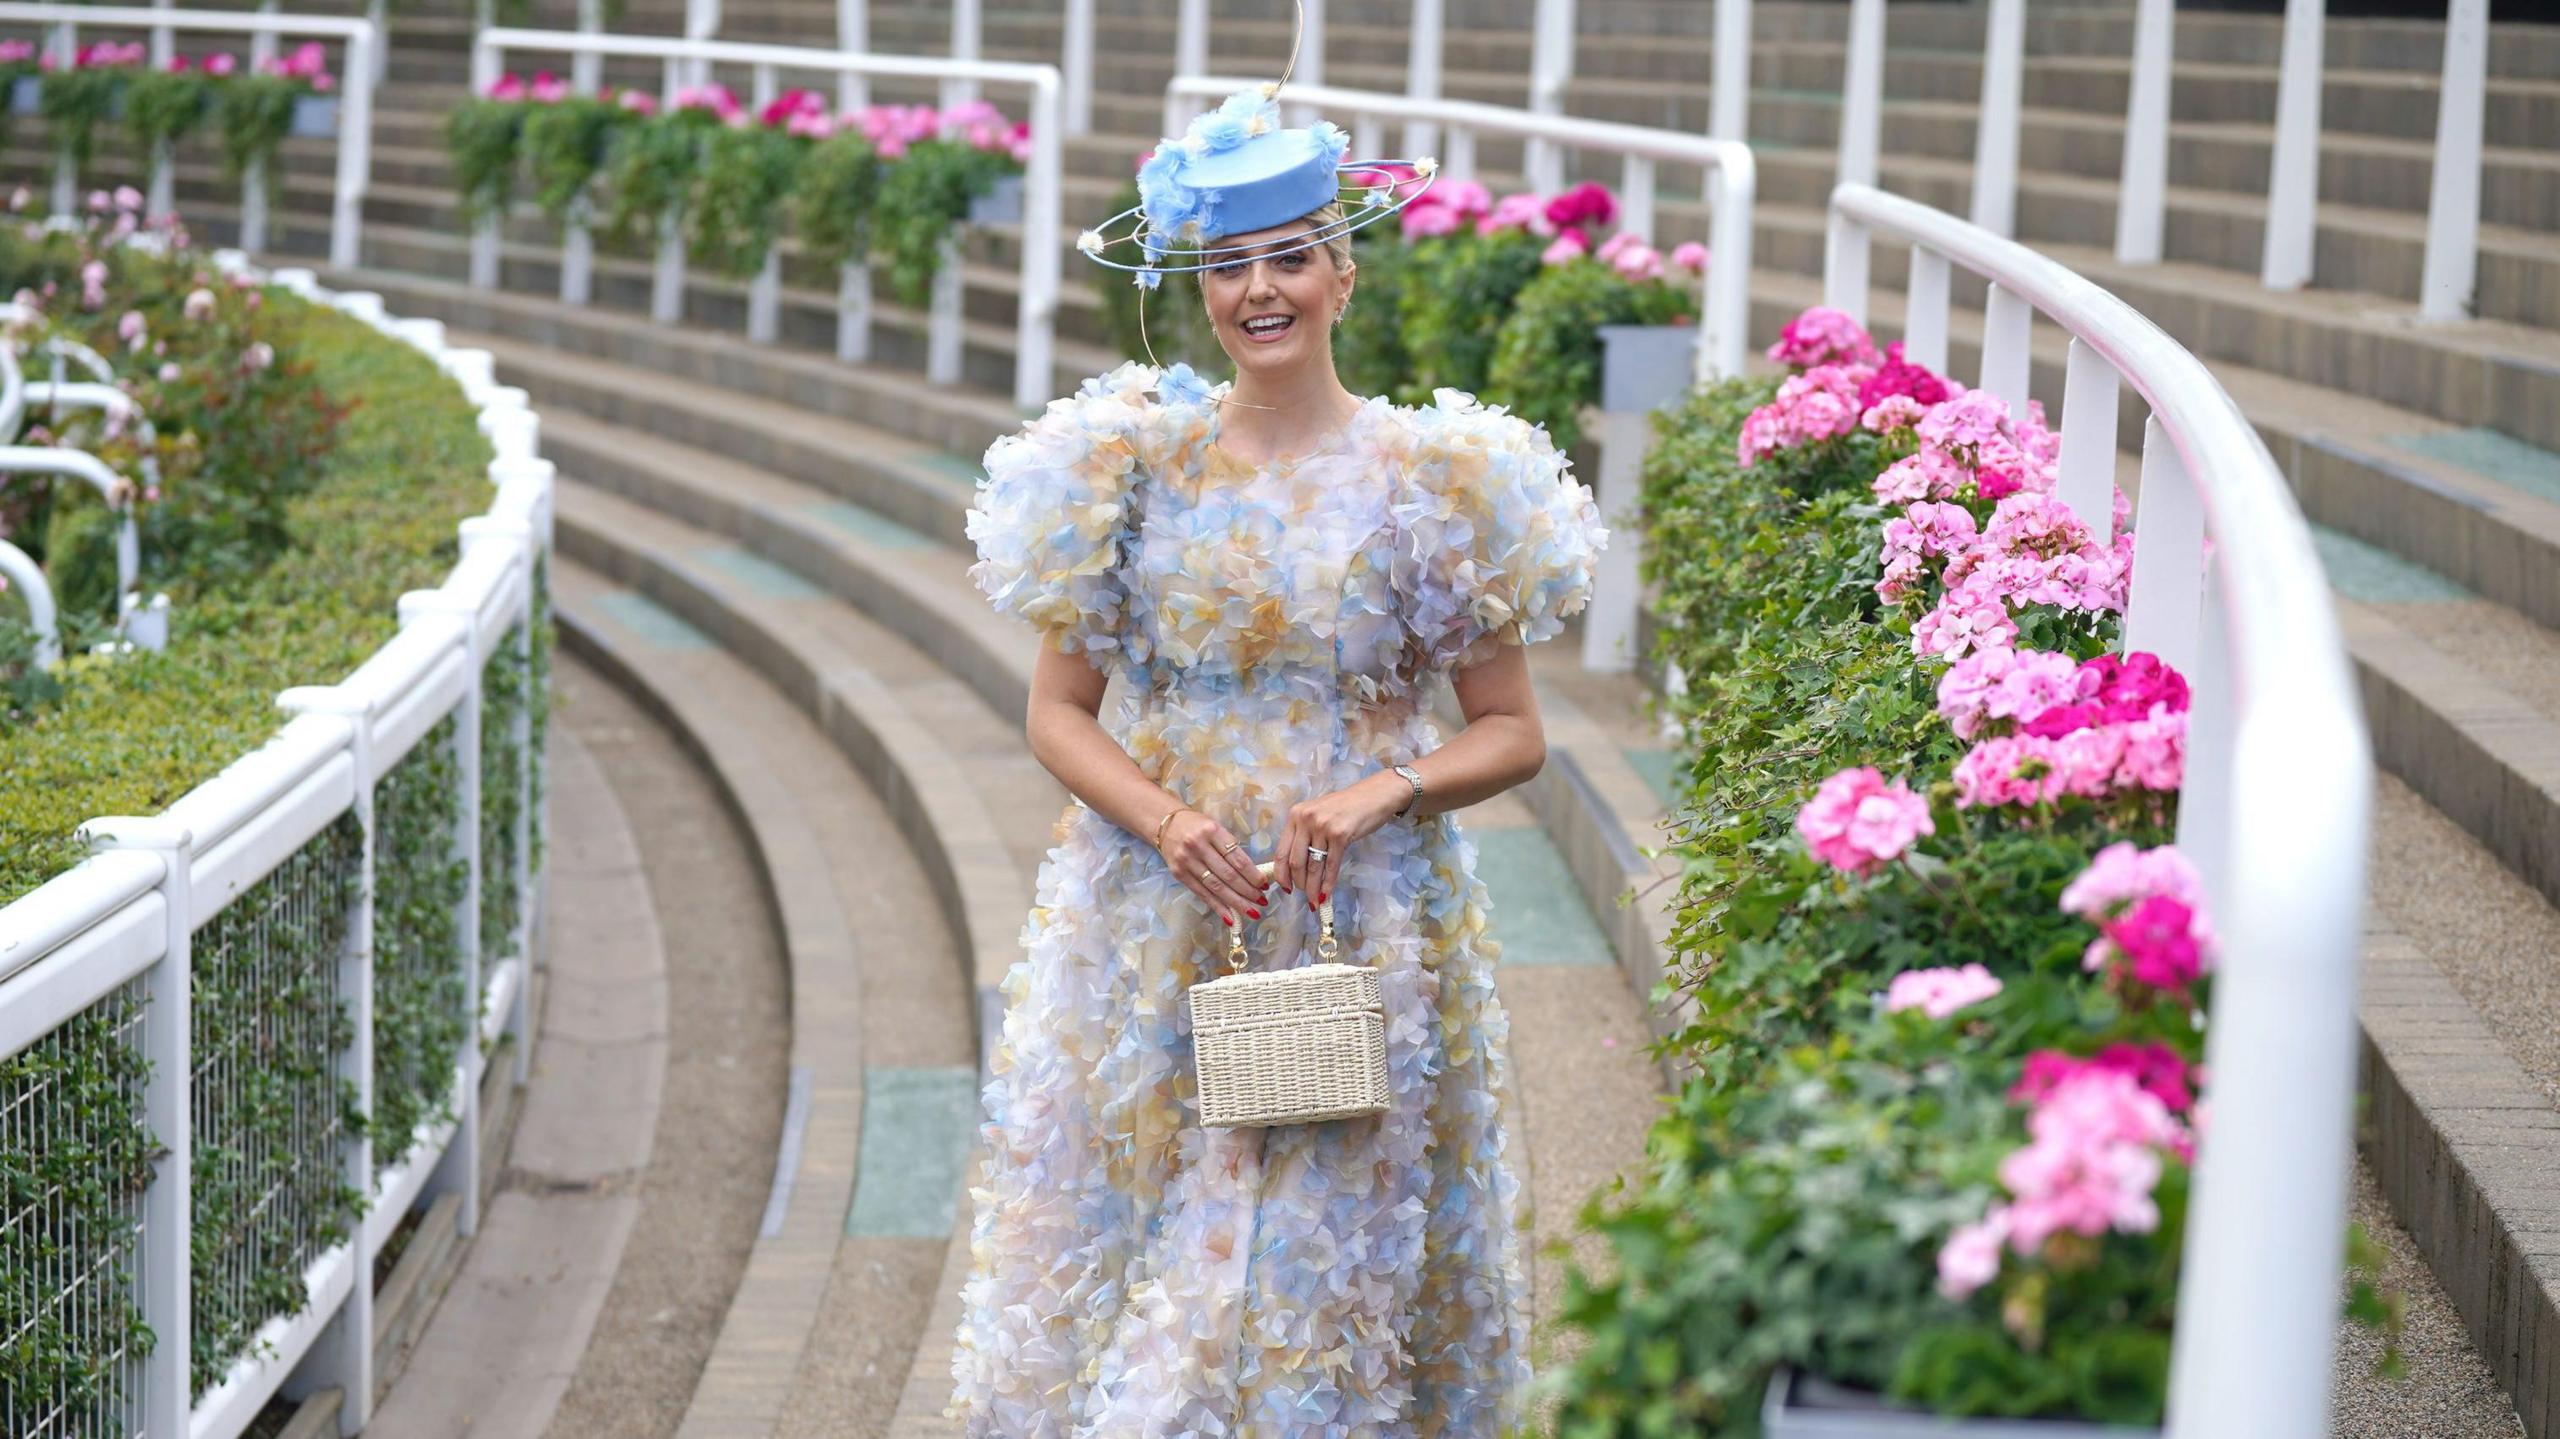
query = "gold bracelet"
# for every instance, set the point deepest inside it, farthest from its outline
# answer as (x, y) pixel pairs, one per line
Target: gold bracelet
(1168, 819)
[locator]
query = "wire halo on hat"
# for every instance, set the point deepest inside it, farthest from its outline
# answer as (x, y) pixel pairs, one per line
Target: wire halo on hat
(1376, 201)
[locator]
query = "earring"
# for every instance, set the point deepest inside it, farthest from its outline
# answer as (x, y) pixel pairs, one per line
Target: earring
(1338, 314)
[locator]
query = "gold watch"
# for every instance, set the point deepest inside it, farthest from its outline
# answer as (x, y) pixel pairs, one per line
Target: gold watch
(1412, 777)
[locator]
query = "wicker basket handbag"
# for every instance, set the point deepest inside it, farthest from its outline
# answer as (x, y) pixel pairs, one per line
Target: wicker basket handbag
(1289, 1046)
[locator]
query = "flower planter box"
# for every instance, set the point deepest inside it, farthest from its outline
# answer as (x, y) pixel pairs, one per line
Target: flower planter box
(1801, 1406)
(25, 94)
(999, 206)
(1644, 367)
(314, 117)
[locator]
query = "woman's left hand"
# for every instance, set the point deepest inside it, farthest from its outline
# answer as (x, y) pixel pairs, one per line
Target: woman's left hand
(1332, 823)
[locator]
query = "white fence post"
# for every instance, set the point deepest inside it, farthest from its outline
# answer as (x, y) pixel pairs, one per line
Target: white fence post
(2142, 202)
(2087, 483)
(944, 347)
(1862, 95)
(1422, 75)
(355, 146)
(2293, 186)
(1077, 65)
(2008, 324)
(764, 292)
(1609, 626)
(1729, 102)
(484, 231)
(167, 1273)
(1995, 135)
(1035, 324)
(1190, 57)
(66, 178)
(1924, 310)
(1307, 65)
(586, 68)
(343, 1355)
(967, 43)
(2453, 196)
(1550, 70)
(2162, 610)
(853, 36)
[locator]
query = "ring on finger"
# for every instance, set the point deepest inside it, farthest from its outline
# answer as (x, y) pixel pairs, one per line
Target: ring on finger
(1316, 854)
(1229, 847)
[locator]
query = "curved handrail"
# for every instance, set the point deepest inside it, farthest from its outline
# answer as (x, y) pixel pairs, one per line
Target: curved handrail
(2276, 810)
(114, 488)
(22, 571)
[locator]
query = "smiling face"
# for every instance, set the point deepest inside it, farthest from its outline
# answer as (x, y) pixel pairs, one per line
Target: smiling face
(1274, 311)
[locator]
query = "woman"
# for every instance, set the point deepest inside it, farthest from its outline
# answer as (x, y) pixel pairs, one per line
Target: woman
(1280, 573)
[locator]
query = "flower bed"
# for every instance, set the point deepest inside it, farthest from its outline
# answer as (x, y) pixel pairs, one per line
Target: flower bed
(250, 107)
(310, 473)
(1949, 977)
(884, 184)
(1503, 299)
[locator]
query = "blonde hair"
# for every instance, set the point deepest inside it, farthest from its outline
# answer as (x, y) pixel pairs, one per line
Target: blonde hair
(1338, 244)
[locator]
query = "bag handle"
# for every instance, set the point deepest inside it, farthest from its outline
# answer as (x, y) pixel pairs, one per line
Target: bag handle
(1326, 948)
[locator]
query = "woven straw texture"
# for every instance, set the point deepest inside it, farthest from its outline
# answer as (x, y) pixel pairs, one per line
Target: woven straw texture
(1291, 1046)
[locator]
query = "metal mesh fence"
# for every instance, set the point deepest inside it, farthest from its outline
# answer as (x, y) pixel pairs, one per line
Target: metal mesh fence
(270, 1110)
(421, 1000)
(74, 1161)
(502, 797)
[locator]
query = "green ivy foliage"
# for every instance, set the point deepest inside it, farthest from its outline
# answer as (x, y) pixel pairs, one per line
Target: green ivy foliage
(922, 197)
(653, 172)
(1457, 293)
(565, 147)
(75, 102)
(748, 174)
(270, 1109)
(165, 106)
(252, 113)
(481, 138)
(1546, 356)
(832, 207)
(503, 697)
(422, 1009)
(70, 1202)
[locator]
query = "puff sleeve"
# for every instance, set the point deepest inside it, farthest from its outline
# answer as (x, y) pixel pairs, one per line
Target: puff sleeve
(1495, 538)
(1054, 509)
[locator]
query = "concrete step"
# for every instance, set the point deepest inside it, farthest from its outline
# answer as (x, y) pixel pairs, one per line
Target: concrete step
(885, 1015)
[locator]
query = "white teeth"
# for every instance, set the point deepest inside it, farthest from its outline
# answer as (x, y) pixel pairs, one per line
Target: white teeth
(1266, 324)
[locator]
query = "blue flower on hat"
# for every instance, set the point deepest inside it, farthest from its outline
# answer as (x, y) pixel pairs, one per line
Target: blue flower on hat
(1181, 385)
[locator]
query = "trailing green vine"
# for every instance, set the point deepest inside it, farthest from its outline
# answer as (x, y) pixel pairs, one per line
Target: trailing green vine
(565, 146)
(748, 173)
(502, 791)
(837, 197)
(162, 107)
(266, 1027)
(421, 1007)
(481, 137)
(922, 197)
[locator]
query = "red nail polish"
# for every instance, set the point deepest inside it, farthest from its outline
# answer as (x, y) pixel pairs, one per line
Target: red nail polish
(1228, 919)
(1257, 914)
(1321, 898)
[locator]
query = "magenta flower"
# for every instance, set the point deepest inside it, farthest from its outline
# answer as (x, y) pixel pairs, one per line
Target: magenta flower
(1691, 256)
(1824, 336)
(219, 64)
(1587, 206)
(1855, 821)
(1897, 377)
(547, 88)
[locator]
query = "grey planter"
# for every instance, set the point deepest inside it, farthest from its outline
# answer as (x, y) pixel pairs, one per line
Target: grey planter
(314, 117)
(1644, 367)
(25, 94)
(1801, 1406)
(999, 206)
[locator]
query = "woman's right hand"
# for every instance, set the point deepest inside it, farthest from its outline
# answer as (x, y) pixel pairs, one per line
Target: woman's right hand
(1211, 864)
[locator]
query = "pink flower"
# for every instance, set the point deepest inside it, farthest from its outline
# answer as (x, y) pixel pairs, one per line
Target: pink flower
(169, 373)
(2124, 873)
(1967, 618)
(1639, 262)
(2092, 1160)
(1822, 336)
(2152, 1064)
(506, 87)
(1568, 247)
(178, 64)
(638, 102)
(1691, 256)
(132, 329)
(1517, 212)
(1971, 1256)
(548, 89)
(1938, 993)
(257, 357)
(1428, 222)
(1855, 821)
(1893, 412)
(1993, 685)
(17, 52)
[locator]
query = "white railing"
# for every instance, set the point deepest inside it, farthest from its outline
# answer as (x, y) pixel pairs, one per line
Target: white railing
(2291, 235)
(1725, 306)
(358, 73)
(2275, 811)
(126, 916)
(685, 59)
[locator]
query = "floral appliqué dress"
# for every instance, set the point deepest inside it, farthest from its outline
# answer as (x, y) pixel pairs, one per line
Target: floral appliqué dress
(1278, 631)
